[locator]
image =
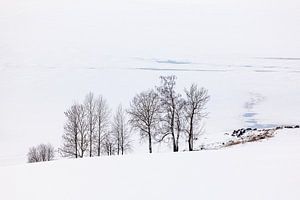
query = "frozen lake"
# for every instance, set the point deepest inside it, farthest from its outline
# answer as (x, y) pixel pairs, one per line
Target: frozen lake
(252, 92)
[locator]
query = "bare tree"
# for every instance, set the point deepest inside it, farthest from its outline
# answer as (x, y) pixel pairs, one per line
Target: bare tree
(196, 99)
(109, 144)
(50, 152)
(144, 114)
(42, 150)
(120, 131)
(75, 132)
(91, 119)
(41, 153)
(102, 116)
(83, 129)
(70, 137)
(33, 155)
(46, 152)
(171, 104)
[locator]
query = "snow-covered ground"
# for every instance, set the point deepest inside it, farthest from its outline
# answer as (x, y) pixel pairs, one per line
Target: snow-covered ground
(52, 52)
(268, 169)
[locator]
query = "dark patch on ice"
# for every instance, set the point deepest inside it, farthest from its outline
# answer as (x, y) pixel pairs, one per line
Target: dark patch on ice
(166, 61)
(91, 68)
(249, 114)
(255, 99)
(176, 62)
(271, 67)
(261, 70)
(252, 122)
(179, 69)
(264, 68)
(281, 58)
(247, 66)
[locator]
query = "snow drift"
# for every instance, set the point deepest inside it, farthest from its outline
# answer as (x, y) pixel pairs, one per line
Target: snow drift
(262, 170)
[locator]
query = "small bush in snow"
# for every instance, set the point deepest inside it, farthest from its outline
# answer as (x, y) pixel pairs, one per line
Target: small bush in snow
(41, 153)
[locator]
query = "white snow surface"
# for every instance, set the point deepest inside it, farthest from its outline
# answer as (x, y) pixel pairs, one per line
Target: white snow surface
(267, 170)
(53, 52)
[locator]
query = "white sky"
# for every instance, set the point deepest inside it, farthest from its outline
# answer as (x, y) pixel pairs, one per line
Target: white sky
(68, 32)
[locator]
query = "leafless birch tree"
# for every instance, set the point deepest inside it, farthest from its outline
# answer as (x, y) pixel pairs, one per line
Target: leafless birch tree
(71, 134)
(91, 119)
(171, 103)
(75, 132)
(109, 144)
(120, 132)
(33, 155)
(196, 99)
(83, 129)
(102, 116)
(144, 114)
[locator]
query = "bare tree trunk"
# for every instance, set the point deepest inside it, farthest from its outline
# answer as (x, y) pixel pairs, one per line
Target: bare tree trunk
(118, 150)
(150, 140)
(191, 137)
(99, 139)
(122, 144)
(175, 148)
(76, 139)
(91, 146)
(76, 146)
(177, 141)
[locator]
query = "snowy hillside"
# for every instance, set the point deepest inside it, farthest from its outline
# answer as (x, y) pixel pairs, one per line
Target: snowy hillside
(263, 170)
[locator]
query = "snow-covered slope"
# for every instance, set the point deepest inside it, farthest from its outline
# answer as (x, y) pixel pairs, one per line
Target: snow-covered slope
(267, 170)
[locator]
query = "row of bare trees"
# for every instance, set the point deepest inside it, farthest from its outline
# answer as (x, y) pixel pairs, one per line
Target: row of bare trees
(160, 115)
(88, 130)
